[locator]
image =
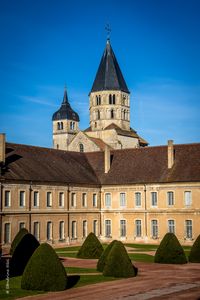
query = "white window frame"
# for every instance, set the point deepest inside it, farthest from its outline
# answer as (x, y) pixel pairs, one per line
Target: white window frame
(171, 226)
(154, 228)
(35, 200)
(154, 201)
(108, 228)
(189, 229)
(7, 196)
(170, 200)
(49, 231)
(138, 225)
(73, 230)
(138, 199)
(73, 199)
(36, 230)
(122, 199)
(61, 230)
(94, 200)
(188, 198)
(23, 199)
(49, 199)
(123, 228)
(95, 227)
(84, 199)
(108, 200)
(84, 228)
(61, 199)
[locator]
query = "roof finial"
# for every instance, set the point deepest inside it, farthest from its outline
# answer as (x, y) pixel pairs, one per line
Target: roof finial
(108, 30)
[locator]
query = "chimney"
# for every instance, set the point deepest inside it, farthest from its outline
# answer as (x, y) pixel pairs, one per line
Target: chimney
(170, 154)
(2, 148)
(107, 159)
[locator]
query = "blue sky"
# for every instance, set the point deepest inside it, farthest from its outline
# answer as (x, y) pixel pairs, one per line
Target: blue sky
(45, 44)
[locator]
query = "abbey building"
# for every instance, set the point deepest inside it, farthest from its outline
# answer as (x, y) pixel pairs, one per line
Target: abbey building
(105, 179)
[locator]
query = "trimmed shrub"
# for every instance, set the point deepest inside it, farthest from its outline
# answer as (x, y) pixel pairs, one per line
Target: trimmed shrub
(194, 256)
(22, 254)
(118, 263)
(102, 259)
(17, 239)
(170, 251)
(91, 247)
(44, 271)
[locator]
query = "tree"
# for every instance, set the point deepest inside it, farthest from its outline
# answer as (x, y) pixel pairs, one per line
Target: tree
(194, 256)
(21, 233)
(44, 271)
(91, 247)
(170, 251)
(103, 257)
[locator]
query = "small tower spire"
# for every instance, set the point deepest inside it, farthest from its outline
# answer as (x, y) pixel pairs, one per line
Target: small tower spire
(65, 97)
(108, 30)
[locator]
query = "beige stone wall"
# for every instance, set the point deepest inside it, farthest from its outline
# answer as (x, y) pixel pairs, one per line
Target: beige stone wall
(63, 137)
(81, 138)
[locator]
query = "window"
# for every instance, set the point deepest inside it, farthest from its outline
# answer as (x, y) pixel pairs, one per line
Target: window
(154, 229)
(74, 233)
(138, 199)
(73, 200)
(35, 199)
(21, 225)
(7, 198)
(188, 198)
(49, 199)
(122, 199)
(170, 198)
(188, 229)
(112, 114)
(61, 125)
(154, 201)
(61, 199)
(36, 230)
(81, 148)
(138, 228)
(107, 228)
(171, 226)
(7, 233)
(98, 100)
(49, 231)
(58, 126)
(21, 198)
(95, 228)
(61, 230)
(98, 115)
(111, 99)
(122, 228)
(94, 200)
(84, 200)
(72, 125)
(108, 200)
(84, 228)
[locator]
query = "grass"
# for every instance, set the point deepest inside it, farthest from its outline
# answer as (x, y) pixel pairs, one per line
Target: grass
(142, 257)
(142, 247)
(68, 249)
(67, 254)
(76, 270)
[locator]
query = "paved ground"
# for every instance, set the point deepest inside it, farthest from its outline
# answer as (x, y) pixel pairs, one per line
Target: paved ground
(154, 281)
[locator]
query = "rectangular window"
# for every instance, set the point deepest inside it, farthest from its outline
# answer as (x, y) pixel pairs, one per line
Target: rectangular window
(94, 200)
(7, 198)
(36, 230)
(49, 231)
(154, 200)
(21, 198)
(21, 225)
(171, 226)
(36, 199)
(122, 228)
(95, 228)
(188, 229)
(122, 199)
(49, 199)
(74, 230)
(138, 228)
(73, 200)
(154, 229)
(107, 228)
(170, 198)
(138, 199)
(84, 200)
(108, 200)
(188, 198)
(7, 233)
(61, 199)
(61, 230)
(84, 228)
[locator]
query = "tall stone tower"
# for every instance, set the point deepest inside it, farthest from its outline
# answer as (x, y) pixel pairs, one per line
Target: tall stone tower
(109, 96)
(65, 124)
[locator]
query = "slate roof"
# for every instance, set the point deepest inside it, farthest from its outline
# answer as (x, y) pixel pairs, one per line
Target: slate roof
(129, 166)
(109, 75)
(65, 111)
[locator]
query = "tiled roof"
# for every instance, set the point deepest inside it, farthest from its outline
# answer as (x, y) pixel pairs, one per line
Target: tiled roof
(100, 143)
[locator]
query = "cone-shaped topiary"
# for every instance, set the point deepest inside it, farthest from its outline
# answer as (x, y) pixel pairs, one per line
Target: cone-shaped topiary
(21, 233)
(102, 259)
(194, 255)
(91, 247)
(22, 254)
(118, 263)
(170, 251)
(44, 271)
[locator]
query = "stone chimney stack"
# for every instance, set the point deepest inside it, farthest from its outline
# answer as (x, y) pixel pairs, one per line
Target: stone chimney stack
(2, 148)
(107, 159)
(170, 153)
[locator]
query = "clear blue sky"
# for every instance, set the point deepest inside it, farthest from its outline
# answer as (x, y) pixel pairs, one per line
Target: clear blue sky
(45, 44)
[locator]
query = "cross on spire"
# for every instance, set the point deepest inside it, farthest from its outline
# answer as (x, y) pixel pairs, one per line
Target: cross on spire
(108, 30)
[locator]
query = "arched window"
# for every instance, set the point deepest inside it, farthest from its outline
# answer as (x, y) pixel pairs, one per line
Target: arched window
(61, 125)
(99, 100)
(112, 113)
(110, 99)
(58, 126)
(124, 115)
(113, 99)
(95, 124)
(81, 147)
(98, 114)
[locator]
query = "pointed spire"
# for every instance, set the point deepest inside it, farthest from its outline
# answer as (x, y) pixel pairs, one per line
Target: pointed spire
(109, 75)
(65, 97)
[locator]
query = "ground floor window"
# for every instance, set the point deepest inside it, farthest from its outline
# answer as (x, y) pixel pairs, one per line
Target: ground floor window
(36, 230)
(95, 228)
(61, 230)
(122, 228)
(188, 229)
(107, 228)
(49, 231)
(21, 225)
(171, 226)
(138, 228)
(74, 230)
(154, 229)
(84, 228)
(7, 233)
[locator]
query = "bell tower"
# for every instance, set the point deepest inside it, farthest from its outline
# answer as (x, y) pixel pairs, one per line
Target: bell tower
(65, 124)
(109, 96)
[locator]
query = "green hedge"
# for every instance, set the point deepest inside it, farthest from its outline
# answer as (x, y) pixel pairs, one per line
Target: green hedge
(44, 271)
(118, 263)
(194, 256)
(22, 232)
(91, 247)
(102, 259)
(170, 251)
